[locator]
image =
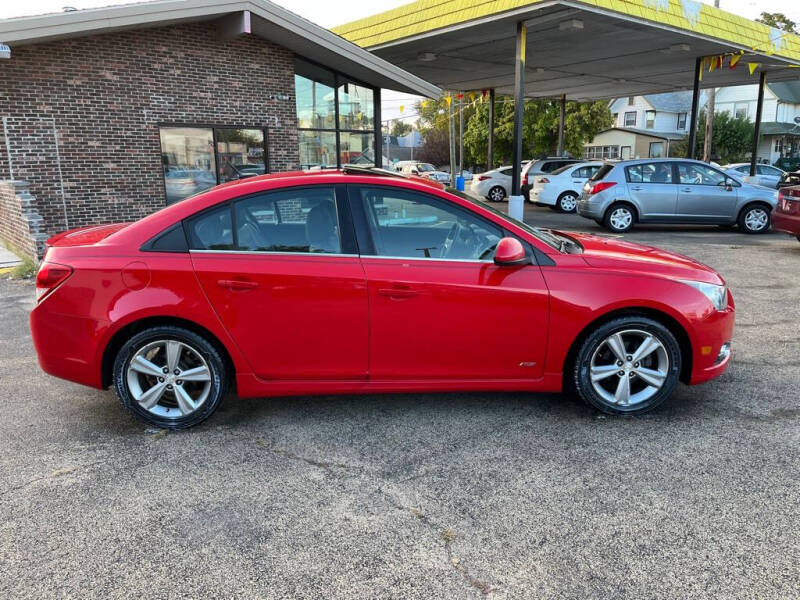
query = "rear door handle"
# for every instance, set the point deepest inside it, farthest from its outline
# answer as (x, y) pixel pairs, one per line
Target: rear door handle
(636, 189)
(398, 292)
(237, 284)
(687, 190)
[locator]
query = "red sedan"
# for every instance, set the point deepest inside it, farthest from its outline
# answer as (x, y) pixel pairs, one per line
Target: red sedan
(786, 215)
(358, 281)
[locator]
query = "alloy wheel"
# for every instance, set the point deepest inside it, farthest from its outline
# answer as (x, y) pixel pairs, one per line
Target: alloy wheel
(169, 379)
(629, 367)
(496, 194)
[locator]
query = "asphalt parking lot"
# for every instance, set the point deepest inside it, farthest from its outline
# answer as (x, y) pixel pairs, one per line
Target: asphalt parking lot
(421, 496)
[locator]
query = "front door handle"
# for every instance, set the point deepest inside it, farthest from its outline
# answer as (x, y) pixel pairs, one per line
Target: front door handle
(636, 189)
(398, 292)
(237, 285)
(687, 190)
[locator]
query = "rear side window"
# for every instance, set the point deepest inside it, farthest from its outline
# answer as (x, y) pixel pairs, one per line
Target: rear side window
(551, 166)
(600, 174)
(506, 171)
(211, 229)
(649, 173)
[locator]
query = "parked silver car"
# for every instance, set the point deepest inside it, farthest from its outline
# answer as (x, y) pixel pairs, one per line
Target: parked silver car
(766, 175)
(673, 190)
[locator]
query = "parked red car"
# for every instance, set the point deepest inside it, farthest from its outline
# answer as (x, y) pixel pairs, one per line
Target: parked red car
(359, 281)
(786, 214)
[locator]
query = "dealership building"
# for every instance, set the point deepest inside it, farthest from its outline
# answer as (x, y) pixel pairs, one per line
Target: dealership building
(110, 114)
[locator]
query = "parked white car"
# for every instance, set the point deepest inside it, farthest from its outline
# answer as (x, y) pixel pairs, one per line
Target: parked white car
(494, 185)
(766, 175)
(561, 189)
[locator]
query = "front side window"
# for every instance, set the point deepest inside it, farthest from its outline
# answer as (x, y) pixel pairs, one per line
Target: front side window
(692, 174)
(407, 224)
(649, 173)
(303, 220)
(630, 119)
(650, 119)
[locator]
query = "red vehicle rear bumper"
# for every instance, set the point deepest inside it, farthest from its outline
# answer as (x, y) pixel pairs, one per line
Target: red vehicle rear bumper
(786, 223)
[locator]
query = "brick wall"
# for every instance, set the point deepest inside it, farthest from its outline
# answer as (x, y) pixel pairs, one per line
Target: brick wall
(21, 226)
(92, 107)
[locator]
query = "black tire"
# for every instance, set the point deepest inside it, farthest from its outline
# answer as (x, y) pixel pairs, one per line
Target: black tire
(745, 222)
(594, 344)
(496, 194)
(218, 384)
(798, 238)
(609, 219)
(565, 197)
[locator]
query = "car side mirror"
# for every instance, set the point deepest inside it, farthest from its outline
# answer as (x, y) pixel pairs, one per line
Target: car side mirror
(731, 183)
(510, 253)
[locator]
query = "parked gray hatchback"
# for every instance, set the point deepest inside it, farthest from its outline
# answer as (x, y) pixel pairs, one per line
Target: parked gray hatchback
(671, 190)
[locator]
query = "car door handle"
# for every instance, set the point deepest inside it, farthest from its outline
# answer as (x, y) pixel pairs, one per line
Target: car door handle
(636, 189)
(687, 190)
(237, 284)
(397, 292)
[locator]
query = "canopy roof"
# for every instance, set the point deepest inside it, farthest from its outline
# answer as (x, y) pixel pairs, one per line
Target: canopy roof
(232, 18)
(587, 50)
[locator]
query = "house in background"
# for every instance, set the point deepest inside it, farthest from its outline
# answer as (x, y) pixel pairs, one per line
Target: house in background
(780, 134)
(643, 126)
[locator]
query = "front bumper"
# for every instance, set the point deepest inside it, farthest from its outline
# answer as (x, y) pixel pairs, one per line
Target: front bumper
(711, 334)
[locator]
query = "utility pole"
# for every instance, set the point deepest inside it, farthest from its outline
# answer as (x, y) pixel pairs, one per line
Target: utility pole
(451, 108)
(460, 135)
(709, 133)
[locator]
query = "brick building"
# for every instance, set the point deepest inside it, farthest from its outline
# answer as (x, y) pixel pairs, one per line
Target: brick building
(109, 114)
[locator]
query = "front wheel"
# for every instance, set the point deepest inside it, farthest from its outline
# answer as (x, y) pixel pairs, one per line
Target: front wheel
(628, 366)
(567, 202)
(496, 194)
(754, 219)
(170, 377)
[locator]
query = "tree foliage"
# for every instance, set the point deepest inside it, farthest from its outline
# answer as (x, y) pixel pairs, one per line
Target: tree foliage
(400, 128)
(779, 21)
(731, 141)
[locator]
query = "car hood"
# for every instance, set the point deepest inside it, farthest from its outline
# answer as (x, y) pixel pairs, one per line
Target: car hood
(616, 254)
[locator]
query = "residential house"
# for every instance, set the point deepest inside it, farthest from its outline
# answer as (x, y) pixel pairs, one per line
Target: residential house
(643, 126)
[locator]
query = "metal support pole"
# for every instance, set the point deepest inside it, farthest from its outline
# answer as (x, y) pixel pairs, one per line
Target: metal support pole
(690, 153)
(515, 202)
(490, 164)
(452, 143)
(378, 129)
(561, 117)
(762, 83)
(460, 136)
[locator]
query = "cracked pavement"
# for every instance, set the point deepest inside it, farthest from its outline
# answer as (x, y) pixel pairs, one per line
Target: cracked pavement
(426, 495)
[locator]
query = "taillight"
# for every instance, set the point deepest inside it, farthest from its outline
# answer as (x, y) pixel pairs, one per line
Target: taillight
(49, 277)
(601, 185)
(543, 180)
(790, 192)
(525, 179)
(483, 177)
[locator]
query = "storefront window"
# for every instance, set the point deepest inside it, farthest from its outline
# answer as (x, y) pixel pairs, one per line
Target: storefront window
(193, 162)
(326, 141)
(187, 156)
(317, 148)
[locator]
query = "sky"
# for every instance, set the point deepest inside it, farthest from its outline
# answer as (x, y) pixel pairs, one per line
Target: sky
(329, 14)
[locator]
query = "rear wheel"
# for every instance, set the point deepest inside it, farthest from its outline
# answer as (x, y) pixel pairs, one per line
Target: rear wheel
(620, 218)
(628, 366)
(170, 377)
(754, 218)
(497, 194)
(567, 202)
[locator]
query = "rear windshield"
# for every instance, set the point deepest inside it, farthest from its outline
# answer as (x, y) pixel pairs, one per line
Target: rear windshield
(601, 173)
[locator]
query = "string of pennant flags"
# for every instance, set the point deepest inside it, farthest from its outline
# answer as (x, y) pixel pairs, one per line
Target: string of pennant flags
(712, 63)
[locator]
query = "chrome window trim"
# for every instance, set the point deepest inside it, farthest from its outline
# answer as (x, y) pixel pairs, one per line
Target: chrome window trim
(423, 259)
(269, 252)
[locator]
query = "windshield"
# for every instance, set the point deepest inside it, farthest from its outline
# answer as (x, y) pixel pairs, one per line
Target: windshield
(541, 234)
(425, 167)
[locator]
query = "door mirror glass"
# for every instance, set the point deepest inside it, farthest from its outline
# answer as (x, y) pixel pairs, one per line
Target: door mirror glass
(510, 253)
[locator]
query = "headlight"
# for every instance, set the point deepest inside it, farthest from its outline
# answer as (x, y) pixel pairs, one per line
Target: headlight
(717, 294)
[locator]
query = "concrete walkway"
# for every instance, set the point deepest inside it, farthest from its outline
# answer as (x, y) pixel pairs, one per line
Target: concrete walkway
(8, 258)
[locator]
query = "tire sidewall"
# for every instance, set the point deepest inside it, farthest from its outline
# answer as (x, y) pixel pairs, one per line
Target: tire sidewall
(562, 197)
(583, 359)
(610, 211)
(200, 344)
(502, 194)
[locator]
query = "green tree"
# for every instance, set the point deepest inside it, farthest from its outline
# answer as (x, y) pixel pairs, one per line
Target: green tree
(583, 121)
(779, 21)
(433, 126)
(400, 128)
(732, 138)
